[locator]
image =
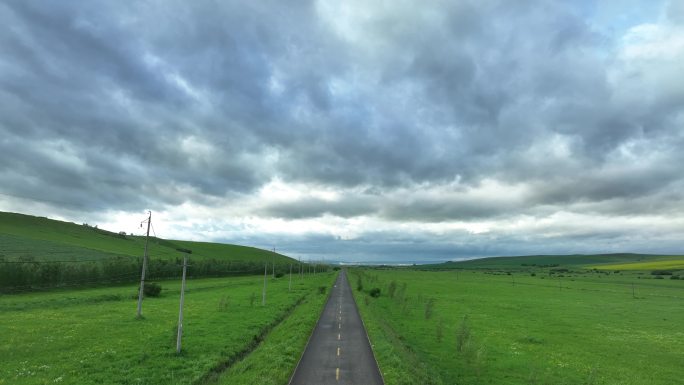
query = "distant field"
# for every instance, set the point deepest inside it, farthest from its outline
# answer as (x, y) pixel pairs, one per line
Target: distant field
(91, 336)
(489, 327)
(666, 264)
(579, 261)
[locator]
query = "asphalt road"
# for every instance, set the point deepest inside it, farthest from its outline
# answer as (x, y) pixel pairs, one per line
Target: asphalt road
(338, 352)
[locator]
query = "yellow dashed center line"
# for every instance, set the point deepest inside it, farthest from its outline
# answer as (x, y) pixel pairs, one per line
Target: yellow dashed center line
(338, 336)
(337, 374)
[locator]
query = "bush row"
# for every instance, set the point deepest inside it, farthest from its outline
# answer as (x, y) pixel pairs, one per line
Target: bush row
(30, 275)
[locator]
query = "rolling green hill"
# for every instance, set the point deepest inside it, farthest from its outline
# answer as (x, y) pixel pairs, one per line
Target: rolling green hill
(47, 239)
(599, 261)
(37, 252)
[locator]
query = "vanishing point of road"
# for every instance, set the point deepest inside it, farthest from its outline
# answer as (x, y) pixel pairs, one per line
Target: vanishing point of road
(338, 352)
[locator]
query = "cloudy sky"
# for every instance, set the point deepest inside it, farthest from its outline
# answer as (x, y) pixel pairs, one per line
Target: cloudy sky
(351, 130)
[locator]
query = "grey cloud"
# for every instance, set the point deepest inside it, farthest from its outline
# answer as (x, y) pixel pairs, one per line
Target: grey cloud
(416, 96)
(314, 208)
(393, 247)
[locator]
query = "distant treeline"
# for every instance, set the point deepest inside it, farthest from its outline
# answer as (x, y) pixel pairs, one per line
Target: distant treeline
(27, 275)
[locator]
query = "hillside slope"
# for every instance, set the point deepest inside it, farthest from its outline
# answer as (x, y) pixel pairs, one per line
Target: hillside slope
(39, 238)
(41, 253)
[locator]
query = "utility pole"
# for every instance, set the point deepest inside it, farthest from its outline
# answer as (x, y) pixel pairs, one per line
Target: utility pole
(182, 300)
(263, 294)
(289, 288)
(144, 266)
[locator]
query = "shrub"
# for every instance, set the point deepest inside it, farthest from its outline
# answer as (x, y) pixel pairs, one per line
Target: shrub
(392, 289)
(321, 290)
(336, 268)
(359, 284)
(440, 330)
(374, 292)
(429, 307)
(533, 275)
(152, 289)
(223, 303)
(674, 277)
(658, 277)
(661, 272)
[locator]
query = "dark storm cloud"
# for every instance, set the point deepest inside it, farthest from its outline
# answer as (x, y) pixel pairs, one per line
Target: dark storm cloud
(106, 105)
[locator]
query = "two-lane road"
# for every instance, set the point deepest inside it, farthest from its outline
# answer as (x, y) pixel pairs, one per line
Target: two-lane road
(338, 352)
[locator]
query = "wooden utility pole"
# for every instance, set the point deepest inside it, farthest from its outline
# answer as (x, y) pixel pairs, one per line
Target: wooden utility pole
(263, 293)
(182, 300)
(144, 267)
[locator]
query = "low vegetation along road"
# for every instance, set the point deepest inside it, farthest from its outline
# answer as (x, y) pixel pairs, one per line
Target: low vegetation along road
(338, 351)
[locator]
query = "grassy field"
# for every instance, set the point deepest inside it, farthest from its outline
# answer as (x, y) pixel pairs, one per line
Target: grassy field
(274, 361)
(675, 263)
(489, 327)
(46, 239)
(91, 336)
(605, 261)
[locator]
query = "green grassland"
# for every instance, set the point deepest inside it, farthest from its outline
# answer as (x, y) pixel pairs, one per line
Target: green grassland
(509, 327)
(274, 361)
(46, 239)
(91, 336)
(522, 262)
(671, 263)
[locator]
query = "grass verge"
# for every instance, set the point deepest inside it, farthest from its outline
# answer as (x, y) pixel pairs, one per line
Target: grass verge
(274, 360)
(92, 336)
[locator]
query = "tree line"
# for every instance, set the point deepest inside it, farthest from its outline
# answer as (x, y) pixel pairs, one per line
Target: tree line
(26, 274)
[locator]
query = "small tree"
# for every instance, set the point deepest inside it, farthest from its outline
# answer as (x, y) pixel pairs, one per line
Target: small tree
(463, 335)
(429, 308)
(392, 288)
